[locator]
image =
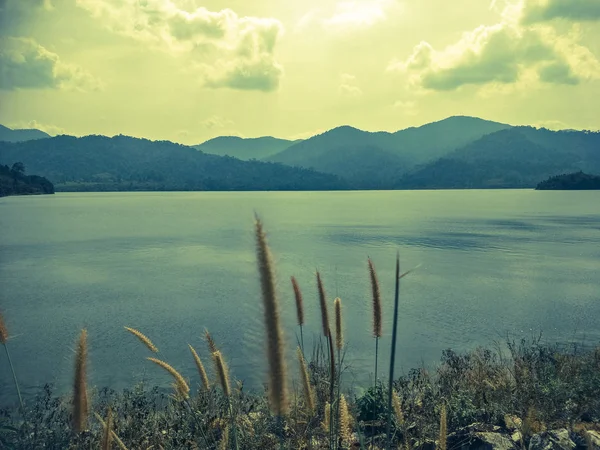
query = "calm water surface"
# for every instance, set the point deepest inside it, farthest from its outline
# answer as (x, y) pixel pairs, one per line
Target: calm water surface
(492, 263)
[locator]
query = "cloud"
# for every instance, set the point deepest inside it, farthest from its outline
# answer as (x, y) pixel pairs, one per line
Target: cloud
(349, 86)
(348, 15)
(13, 13)
(228, 50)
(25, 64)
(216, 122)
(506, 53)
(574, 10)
(407, 107)
(52, 130)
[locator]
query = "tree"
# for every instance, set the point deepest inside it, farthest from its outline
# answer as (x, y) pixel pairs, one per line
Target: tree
(18, 167)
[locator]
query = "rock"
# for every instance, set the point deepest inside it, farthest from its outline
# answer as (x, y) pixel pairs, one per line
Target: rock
(594, 439)
(479, 440)
(512, 423)
(552, 440)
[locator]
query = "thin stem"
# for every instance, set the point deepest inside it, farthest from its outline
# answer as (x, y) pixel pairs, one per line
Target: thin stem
(375, 391)
(301, 340)
(14, 378)
(393, 353)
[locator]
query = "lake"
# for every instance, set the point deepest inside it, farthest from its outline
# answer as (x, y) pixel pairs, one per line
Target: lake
(492, 264)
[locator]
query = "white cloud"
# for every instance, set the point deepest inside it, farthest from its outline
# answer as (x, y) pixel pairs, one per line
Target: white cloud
(230, 51)
(216, 122)
(349, 86)
(504, 54)
(407, 107)
(52, 130)
(348, 15)
(25, 64)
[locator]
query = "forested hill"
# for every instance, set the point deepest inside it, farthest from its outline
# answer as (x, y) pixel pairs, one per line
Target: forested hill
(13, 181)
(570, 182)
(100, 163)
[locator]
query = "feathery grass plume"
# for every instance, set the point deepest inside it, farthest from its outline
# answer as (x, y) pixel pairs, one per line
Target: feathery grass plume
(200, 366)
(107, 436)
(142, 337)
(277, 370)
(323, 303)
(397, 408)
(222, 372)
(224, 442)
(4, 341)
(339, 335)
(344, 420)
(113, 434)
(210, 341)
(443, 428)
(299, 302)
(182, 387)
(376, 301)
(3, 330)
(325, 424)
(309, 397)
(80, 397)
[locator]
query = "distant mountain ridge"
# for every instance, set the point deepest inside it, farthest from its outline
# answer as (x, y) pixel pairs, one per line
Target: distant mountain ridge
(459, 152)
(20, 135)
(244, 148)
(394, 153)
(100, 163)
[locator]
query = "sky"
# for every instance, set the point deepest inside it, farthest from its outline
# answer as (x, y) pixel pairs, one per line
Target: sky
(190, 70)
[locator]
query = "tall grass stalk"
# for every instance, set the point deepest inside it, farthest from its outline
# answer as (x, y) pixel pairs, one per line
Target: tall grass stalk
(299, 309)
(377, 329)
(223, 375)
(107, 436)
(181, 386)
(3, 341)
(119, 442)
(200, 367)
(274, 333)
(443, 428)
(80, 396)
(143, 339)
(393, 352)
(309, 397)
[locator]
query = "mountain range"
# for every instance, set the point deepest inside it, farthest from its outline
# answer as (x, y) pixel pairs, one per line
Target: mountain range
(20, 135)
(457, 152)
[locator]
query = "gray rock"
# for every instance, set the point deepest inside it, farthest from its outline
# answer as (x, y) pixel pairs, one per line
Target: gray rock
(480, 440)
(552, 440)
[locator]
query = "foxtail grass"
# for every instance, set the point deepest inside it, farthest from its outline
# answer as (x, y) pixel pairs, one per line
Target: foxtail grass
(4, 341)
(107, 436)
(344, 422)
(443, 429)
(212, 346)
(222, 372)
(201, 370)
(339, 332)
(309, 396)
(80, 396)
(274, 333)
(119, 442)
(377, 325)
(299, 309)
(143, 339)
(323, 304)
(181, 386)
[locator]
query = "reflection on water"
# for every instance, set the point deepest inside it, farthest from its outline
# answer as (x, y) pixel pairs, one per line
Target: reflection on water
(492, 263)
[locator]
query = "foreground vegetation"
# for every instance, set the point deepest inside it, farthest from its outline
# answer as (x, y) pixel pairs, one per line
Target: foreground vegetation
(515, 393)
(13, 181)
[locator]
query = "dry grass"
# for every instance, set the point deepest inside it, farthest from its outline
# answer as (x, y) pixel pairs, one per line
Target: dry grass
(339, 333)
(222, 372)
(201, 370)
(3, 330)
(309, 396)
(181, 385)
(376, 299)
(323, 305)
(80, 395)
(143, 339)
(299, 301)
(274, 332)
